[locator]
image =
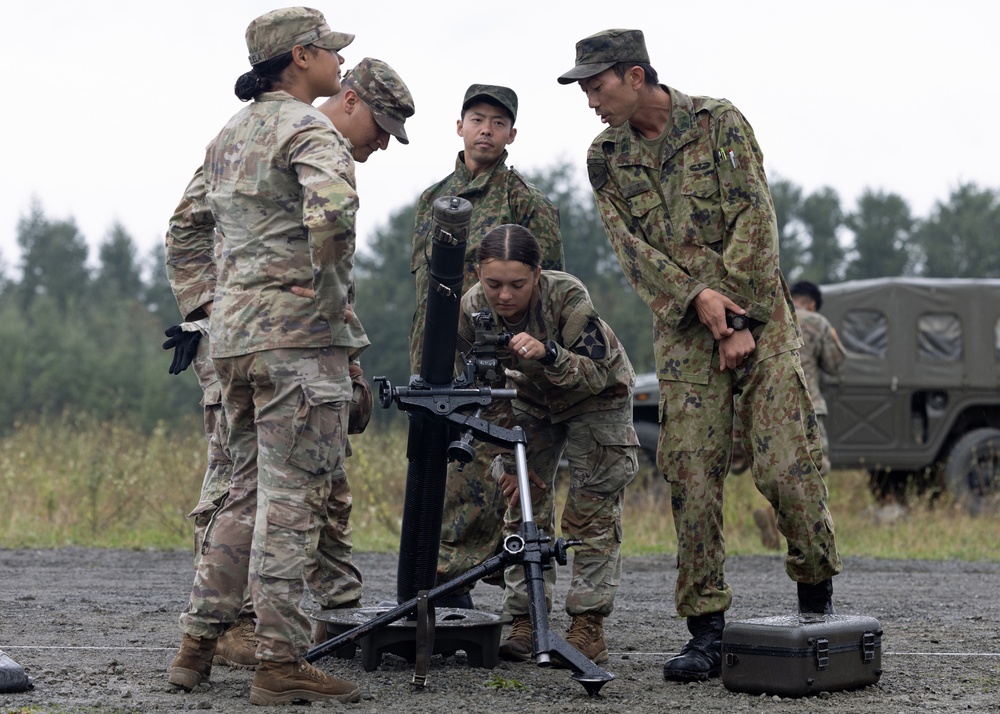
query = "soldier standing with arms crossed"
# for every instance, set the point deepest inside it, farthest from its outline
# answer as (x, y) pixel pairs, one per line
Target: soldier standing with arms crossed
(474, 506)
(278, 185)
(680, 186)
(373, 104)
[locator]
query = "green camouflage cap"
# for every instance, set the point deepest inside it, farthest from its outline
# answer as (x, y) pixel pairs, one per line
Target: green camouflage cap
(602, 51)
(277, 32)
(384, 92)
(504, 96)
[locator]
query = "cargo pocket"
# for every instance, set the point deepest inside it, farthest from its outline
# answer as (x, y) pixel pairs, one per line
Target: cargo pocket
(647, 212)
(704, 208)
(615, 460)
(286, 540)
(320, 426)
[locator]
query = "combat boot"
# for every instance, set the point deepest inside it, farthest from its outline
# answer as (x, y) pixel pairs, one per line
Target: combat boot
(517, 646)
(286, 682)
(769, 536)
(237, 648)
(586, 633)
(816, 598)
(193, 663)
(701, 657)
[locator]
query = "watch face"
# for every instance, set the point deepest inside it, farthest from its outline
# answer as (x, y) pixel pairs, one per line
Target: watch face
(738, 322)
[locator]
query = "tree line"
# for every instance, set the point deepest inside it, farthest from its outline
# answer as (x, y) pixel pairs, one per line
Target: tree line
(75, 338)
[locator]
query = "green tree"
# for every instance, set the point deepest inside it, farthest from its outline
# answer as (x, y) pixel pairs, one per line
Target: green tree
(118, 275)
(822, 217)
(959, 239)
(787, 198)
(53, 259)
(881, 225)
(156, 293)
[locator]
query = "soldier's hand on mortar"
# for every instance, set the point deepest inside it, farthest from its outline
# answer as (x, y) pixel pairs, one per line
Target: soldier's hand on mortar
(508, 483)
(711, 307)
(184, 342)
(310, 293)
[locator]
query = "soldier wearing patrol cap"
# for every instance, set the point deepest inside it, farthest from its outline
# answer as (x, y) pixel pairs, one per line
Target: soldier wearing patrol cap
(474, 506)
(277, 188)
(335, 582)
(680, 186)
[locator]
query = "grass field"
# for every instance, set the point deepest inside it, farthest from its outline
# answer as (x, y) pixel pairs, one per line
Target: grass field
(79, 482)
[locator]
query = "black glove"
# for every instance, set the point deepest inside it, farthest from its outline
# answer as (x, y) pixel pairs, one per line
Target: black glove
(184, 344)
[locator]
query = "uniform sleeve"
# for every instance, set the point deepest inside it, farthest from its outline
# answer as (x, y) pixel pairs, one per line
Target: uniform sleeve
(583, 358)
(750, 247)
(329, 207)
(532, 209)
(190, 250)
(832, 353)
(659, 281)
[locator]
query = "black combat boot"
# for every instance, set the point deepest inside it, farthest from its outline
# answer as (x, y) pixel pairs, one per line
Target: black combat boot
(816, 598)
(701, 657)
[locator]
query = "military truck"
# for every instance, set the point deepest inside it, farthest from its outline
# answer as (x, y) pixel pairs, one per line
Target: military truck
(917, 402)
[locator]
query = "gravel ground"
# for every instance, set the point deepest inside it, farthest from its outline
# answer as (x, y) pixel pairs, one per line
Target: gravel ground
(97, 629)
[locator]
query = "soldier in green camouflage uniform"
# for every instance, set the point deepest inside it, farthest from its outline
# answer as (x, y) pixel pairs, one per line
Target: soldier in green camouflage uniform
(821, 351)
(278, 183)
(473, 510)
(374, 103)
(680, 186)
(574, 387)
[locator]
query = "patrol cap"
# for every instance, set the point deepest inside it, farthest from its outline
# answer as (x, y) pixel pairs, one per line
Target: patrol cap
(602, 51)
(504, 96)
(278, 31)
(384, 92)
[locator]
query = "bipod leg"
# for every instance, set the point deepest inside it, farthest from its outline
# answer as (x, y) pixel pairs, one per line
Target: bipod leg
(537, 553)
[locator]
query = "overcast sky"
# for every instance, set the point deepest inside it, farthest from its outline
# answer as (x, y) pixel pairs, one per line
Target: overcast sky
(113, 102)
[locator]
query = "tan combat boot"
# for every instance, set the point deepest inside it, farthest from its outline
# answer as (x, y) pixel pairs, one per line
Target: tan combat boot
(286, 682)
(517, 646)
(193, 663)
(586, 633)
(238, 646)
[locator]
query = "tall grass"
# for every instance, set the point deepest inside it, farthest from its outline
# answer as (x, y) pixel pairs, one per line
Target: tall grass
(76, 481)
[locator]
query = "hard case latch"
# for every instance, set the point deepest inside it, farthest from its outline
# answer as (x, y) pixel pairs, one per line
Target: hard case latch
(822, 653)
(868, 647)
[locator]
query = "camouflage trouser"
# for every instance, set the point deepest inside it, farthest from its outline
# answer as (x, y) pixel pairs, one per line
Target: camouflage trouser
(824, 440)
(472, 522)
(602, 450)
(286, 412)
(782, 440)
(335, 580)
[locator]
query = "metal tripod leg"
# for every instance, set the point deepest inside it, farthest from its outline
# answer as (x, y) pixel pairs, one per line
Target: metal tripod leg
(545, 642)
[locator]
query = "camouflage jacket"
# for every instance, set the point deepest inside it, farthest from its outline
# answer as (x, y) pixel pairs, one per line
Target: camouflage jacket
(500, 195)
(699, 217)
(821, 350)
(278, 186)
(591, 371)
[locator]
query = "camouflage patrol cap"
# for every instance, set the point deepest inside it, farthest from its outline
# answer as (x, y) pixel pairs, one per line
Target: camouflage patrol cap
(504, 96)
(362, 404)
(384, 92)
(277, 32)
(602, 51)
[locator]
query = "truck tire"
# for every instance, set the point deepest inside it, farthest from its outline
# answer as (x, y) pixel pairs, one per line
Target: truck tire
(972, 471)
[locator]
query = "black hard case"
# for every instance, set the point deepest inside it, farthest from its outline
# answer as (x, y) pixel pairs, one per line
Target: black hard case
(799, 655)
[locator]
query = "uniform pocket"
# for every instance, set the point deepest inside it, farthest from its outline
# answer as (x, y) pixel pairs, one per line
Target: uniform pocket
(319, 427)
(285, 542)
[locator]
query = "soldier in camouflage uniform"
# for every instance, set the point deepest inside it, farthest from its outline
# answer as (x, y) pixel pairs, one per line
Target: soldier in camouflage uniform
(680, 186)
(473, 510)
(278, 184)
(574, 387)
(374, 103)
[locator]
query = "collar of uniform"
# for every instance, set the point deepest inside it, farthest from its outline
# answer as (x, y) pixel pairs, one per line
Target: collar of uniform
(633, 151)
(277, 96)
(474, 183)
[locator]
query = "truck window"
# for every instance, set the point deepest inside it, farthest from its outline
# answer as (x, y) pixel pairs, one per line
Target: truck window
(939, 337)
(866, 332)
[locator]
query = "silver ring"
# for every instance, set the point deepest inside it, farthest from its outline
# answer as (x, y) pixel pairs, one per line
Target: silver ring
(524, 350)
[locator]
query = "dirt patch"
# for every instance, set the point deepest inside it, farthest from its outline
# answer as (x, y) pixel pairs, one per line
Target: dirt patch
(96, 630)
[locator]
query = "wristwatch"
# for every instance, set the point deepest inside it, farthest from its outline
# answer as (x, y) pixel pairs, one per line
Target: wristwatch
(737, 322)
(551, 352)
